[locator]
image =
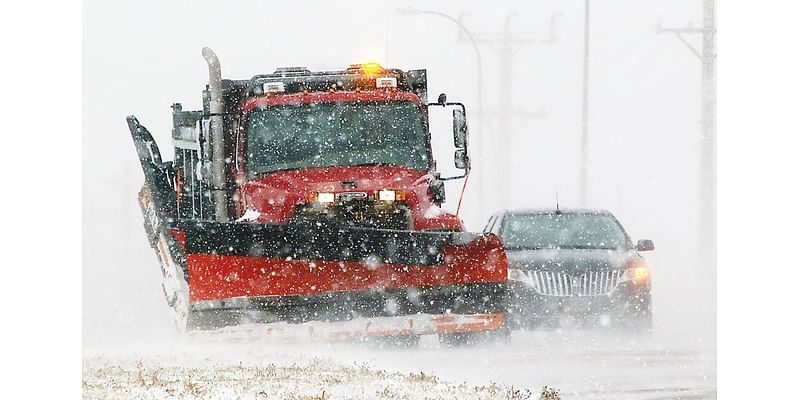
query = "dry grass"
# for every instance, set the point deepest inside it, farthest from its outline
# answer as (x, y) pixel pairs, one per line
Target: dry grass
(315, 379)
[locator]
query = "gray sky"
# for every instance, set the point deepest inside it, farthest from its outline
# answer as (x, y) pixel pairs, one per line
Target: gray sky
(140, 57)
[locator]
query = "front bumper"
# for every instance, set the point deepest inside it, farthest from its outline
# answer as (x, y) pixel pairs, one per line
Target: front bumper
(627, 301)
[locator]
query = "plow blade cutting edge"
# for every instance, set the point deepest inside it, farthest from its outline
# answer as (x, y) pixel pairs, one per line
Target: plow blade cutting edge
(361, 328)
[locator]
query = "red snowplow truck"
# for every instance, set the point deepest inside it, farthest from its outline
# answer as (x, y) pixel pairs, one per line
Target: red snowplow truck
(312, 198)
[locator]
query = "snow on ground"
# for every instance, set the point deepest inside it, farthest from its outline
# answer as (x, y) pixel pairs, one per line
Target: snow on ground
(262, 373)
(580, 364)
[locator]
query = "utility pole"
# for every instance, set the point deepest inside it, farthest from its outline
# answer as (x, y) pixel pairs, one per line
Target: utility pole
(505, 43)
(585, 108)
(707, 219)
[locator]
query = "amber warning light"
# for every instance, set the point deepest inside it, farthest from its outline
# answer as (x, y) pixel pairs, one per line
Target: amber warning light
(371, 68)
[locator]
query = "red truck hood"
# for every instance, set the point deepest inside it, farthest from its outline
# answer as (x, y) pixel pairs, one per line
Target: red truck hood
(330, 179)
(274, 196)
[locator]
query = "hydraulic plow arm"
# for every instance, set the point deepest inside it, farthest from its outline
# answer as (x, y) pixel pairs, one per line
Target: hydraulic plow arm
(158, 175)
(157, 200)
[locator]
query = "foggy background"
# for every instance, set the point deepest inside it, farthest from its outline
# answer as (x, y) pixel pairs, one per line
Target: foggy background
(644, 123)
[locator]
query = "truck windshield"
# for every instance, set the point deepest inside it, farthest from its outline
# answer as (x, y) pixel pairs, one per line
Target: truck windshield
(565, 231)
(317, 135)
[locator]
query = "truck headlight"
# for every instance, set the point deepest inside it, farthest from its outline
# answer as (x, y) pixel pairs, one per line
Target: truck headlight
(386, 195)
(322, 197)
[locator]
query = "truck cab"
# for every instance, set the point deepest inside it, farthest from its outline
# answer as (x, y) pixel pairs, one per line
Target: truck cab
(350, 147)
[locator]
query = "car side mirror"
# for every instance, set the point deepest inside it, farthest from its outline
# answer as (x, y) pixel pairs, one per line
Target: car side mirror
(436, 191)
(645, 245)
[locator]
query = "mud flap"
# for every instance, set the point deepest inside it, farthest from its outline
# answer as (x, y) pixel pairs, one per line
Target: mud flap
(158, 175)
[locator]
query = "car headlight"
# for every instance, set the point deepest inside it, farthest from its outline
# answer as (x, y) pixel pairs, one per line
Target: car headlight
(636, 271)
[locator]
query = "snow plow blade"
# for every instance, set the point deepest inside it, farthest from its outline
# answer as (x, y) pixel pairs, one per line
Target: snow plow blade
(240, 273)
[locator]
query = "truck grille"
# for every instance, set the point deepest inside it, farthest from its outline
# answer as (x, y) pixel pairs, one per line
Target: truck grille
(592, 283)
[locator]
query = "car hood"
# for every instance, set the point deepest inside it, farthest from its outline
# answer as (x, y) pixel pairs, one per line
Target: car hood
(569, 260)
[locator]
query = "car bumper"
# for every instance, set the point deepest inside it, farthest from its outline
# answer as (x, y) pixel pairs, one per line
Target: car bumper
(626, 301)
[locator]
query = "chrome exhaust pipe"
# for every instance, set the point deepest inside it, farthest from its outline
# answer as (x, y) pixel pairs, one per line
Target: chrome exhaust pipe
(217, 135)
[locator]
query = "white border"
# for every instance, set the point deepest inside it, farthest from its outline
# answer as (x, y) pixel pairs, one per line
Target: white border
(41, 66)
(759, 228)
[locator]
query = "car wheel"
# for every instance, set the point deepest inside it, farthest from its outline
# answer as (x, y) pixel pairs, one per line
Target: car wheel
(639, 322)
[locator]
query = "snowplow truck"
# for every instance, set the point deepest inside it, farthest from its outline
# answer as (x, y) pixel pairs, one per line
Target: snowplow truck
(312, 199)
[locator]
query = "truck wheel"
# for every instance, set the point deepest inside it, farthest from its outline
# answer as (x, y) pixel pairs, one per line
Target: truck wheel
(502, 335)
(456, 339)
(400, 341)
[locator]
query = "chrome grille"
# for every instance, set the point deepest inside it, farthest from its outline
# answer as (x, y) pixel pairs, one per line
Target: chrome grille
(591, 283)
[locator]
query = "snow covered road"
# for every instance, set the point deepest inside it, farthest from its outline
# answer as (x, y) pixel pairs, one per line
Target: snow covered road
(580, 364)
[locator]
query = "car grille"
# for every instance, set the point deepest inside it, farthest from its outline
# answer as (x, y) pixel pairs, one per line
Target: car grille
(592, 283)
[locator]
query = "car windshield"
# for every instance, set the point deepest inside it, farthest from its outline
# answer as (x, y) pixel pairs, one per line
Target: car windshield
(314, 135)
(565, 231)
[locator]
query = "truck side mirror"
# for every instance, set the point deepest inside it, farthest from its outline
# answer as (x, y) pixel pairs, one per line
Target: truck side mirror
(645, 245)
(462, 159)
(436, 191)
(460, 131)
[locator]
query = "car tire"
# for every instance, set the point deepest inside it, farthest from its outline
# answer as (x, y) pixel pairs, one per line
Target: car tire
(639, 323)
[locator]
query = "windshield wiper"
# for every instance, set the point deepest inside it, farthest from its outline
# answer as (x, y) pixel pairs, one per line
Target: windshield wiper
(267, 172)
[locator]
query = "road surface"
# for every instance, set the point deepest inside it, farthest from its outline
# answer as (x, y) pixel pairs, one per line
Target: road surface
(580, 364)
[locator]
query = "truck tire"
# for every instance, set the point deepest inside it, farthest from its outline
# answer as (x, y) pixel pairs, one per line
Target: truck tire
(459, 339)
(400, 341)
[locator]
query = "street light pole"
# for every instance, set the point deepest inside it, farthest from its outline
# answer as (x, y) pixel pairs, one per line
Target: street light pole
(414, 11)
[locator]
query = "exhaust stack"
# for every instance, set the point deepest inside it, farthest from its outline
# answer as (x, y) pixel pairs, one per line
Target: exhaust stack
(217, 135)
